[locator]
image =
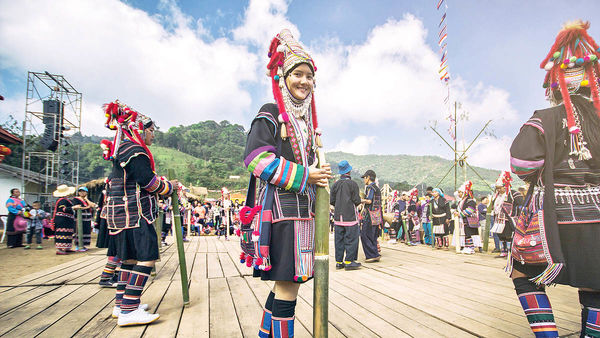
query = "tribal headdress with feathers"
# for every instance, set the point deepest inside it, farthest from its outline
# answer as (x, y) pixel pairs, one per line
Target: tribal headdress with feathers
(128, 123)
(572, 63)
(285, 54)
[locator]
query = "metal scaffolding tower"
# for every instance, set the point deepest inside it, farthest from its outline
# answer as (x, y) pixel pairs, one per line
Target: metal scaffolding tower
(60, 166)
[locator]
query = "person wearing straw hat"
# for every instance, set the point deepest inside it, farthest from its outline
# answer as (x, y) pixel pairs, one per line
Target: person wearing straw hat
(131, 208)
(63, 219)
(345, 197)
(82, 202)
(280, 152)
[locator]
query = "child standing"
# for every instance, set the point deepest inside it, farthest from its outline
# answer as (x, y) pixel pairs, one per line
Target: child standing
(35, 225)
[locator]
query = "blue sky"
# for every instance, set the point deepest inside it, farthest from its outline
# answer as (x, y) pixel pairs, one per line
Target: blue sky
(186, 61)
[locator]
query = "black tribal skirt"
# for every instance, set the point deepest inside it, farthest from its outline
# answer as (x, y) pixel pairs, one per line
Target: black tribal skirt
(581, 249)
(282, 255)
(103, 236)
(140, 244)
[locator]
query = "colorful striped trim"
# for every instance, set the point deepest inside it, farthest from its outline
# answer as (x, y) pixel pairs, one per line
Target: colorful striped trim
(535, 123)
(159, 185)
(283, 327)
(538, 310)
(592, 324)
(265, 324)
(278, 171)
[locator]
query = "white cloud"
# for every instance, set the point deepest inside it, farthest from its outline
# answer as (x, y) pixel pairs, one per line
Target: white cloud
(489, 152)
(263, 19)
(392, 77)
(160, 65)
(359, 146)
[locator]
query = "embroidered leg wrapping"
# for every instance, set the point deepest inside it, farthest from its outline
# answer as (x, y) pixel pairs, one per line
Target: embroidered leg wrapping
(109, 268)
(536, 305)
(265, 323)
(446, 241)
(133, 291)
(283, 318)
(122, 282)
(469, 242)
(590, 313)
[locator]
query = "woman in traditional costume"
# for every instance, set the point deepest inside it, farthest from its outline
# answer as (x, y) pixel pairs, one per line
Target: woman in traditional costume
(558, 151)
(280, 152)
(131, 208)
(467, 210)
(440, 218)
(109, 276)
(63, 219)
(82, 202)
(15, 206)
(506, 202)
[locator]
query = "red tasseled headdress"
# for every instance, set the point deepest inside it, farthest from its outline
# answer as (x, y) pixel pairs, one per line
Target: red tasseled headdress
(275, 72)
(127, 122)
(572, 48)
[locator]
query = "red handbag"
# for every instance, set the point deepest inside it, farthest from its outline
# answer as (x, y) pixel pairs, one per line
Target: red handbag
(527, 246)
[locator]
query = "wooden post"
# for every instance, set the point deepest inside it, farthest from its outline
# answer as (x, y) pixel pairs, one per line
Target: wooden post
(486, 229)
(158, 229)
(79, 230)
(179, 239)
(158, 226)
(321, 284)
(405, 229)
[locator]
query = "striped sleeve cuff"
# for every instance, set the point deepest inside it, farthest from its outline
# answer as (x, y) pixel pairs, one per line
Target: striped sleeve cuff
(159, 185)
(523, 168)
(278, 171)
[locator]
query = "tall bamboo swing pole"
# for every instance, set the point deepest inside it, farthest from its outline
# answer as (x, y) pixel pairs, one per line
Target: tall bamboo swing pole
(321, 286)
(179, 238)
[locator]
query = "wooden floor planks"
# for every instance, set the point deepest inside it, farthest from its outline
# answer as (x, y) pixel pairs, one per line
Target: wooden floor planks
(412, 292)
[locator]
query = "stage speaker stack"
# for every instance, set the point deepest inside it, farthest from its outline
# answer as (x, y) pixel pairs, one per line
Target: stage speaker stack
(53, 116)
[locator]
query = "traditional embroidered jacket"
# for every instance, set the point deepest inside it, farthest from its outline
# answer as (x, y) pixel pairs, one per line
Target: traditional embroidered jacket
(467, 207)
(440, 211)
(282, 167)
(86, 214)
(132, 189)
(568, 190)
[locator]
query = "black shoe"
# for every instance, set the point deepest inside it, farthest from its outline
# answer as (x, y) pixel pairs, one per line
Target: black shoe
(353, 266)
(495, 251)
(339, 266)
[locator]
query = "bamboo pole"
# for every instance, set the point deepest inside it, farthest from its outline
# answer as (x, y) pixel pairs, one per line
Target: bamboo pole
(321, 284)
(179, 239)
(79, 230)
(157, 228)
(486, 229)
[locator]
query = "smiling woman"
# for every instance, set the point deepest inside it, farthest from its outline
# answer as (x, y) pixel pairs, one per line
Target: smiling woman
(280, 151)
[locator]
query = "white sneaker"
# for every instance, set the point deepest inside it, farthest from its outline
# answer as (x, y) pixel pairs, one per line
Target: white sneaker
(117, 310)
(137, 317)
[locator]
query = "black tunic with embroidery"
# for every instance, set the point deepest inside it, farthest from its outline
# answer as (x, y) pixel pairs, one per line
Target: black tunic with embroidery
(279, 166)
(568, 192)
(131, 204)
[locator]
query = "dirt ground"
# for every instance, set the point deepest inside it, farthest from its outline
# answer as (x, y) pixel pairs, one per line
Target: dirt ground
(17, 262)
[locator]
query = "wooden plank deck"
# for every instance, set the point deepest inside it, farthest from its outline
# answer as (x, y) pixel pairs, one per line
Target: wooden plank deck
(412, 292)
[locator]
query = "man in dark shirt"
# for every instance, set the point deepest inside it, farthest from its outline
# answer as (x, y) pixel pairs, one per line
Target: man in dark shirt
(345, 197)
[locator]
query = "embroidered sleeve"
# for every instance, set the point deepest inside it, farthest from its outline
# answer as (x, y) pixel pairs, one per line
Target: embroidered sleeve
(261, 161)
(146, 178)
(528, 150)
(468, 211)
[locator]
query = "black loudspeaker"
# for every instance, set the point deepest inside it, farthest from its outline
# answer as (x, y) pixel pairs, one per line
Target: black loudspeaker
(53, 113)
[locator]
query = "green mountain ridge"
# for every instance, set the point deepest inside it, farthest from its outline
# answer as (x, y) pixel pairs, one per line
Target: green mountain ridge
(415, 170)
